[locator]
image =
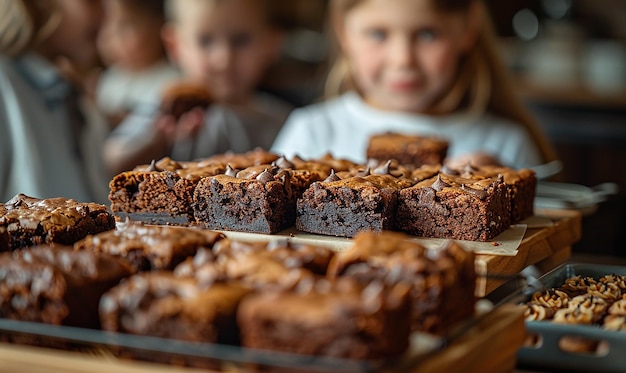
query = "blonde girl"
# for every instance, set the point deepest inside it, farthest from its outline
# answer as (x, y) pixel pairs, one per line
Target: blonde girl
(426, 67)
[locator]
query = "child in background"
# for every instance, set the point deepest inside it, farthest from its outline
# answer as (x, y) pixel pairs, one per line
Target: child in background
(49, 140)
(130, 44)
(425, 67)
(226, 46)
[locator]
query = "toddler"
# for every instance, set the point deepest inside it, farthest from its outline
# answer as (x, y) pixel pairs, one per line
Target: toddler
(226, 46)
(130, 44)
(426, 67)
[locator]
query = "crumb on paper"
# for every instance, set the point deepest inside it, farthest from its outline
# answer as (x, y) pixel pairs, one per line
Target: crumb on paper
(494, 243)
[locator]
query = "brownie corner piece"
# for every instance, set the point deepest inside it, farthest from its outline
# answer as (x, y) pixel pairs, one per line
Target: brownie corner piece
(161, 193)
(449, 206)
(27, 221)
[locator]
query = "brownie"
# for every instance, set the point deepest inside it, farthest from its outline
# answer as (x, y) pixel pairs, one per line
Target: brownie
(181, 97)
(293, 255)
(27, 221)
(254, 157)
(57, 285)
(256, 265)
(148, 247)
(442, 280)
(88, 275)
(31, 291)
(407, 149)
(340, 319)
(327, 160)
(344, 207)
(159, 304)
(258, 271)
(448, 206)
(256, 199)
(521, 183)
(160, 193)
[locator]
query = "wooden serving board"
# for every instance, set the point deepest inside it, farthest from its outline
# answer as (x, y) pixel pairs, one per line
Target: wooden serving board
(546, 247)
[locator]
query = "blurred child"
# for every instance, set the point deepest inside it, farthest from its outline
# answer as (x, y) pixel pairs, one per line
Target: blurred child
(226, 46)
(426, 67)
(130, 44)
(49, 142)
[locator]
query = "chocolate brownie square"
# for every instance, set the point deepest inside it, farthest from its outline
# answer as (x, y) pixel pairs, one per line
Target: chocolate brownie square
(340, 319)
(407, 149)
(254, 157)
(442, 280)
(159, 304)
(449, 206)
(37, 289)
(161, 193)
(87, 275)
(521, 183)
(259, 265)
(27, 221)
(56, 285)
(293, 255)
(258, 270)
(150, 247)
(256, 199)
(345, 207)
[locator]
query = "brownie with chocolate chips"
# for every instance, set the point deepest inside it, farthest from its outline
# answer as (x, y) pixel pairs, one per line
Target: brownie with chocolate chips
(442, 279)
(159, 193)
(57, 285)
(159, 304)
(447, 206)
(162, 192)
(340, 319)
(344, 207)
(407, 149)
(27, 221)
(150, 247)
(521, 185)
(256, 199)
(259, 265)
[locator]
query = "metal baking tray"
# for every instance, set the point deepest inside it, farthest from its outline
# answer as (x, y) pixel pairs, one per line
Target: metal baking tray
(97, 343)
(547, 354)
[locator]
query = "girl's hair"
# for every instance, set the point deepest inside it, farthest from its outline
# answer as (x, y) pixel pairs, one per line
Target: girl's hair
(24, 23)
(482, 84)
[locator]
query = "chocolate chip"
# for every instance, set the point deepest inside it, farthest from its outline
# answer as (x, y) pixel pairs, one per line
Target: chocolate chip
(480, 194)
(332, 177)
(231, 171)
(382, 169)
(439, 184)
(282, 162)
(265, 176)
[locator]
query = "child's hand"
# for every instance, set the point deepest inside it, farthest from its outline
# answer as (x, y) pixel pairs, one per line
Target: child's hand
(187, 126)
(190, 123)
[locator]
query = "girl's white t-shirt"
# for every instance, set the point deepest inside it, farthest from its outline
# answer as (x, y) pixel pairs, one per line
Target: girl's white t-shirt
(344, 125)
